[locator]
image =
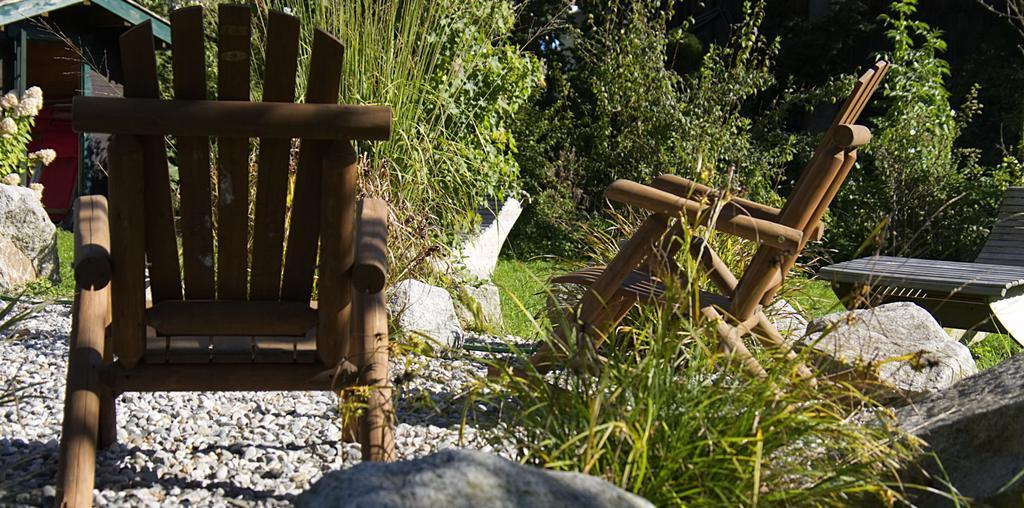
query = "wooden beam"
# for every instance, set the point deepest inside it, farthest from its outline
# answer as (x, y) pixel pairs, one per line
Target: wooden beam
(727, 220)
(227, 118)
(224, 317)
(77, 469)
(371, 267)
(92, 243)
(229, 377)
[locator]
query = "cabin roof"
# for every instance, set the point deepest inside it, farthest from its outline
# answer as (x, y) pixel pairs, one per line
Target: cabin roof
(12, 11)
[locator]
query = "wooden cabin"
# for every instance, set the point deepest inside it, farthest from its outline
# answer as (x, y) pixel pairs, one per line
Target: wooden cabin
(68, 48)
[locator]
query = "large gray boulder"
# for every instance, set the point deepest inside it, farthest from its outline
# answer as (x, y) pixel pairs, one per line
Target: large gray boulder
(976, 430)
(427, 311)
(897, 346)
(28, 241)
(462, 478)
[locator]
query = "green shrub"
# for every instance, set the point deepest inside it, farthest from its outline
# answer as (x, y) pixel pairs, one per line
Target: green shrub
(16, 120)
(614, 108)
(916, 191)
(454, 82)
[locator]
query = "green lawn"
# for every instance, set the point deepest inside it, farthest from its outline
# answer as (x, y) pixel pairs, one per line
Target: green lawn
(524, 287)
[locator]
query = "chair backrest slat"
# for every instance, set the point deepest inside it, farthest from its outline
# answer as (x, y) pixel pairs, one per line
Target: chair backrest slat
(233, 46)
(189, 66)
(810, 198)
(304, 230)
(871, 79)
(138, 59)
(219, 260)
(282, 52)
(1005, 243)
(127, 248)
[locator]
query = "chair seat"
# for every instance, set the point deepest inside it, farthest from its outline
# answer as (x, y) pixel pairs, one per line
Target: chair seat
(943, 277)
(639, 285)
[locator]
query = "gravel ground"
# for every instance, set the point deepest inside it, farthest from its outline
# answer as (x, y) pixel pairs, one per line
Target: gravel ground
(212, 449)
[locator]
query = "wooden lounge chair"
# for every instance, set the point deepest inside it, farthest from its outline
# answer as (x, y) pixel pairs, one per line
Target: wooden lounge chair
(231, 325)
(986, 295)
(635, 275)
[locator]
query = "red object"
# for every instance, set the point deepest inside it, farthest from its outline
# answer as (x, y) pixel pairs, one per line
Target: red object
(53, 130)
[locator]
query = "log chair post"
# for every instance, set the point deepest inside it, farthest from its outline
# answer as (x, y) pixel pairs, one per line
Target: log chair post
(374, 428)
(84, 395)
(376, 432)
(127, 249)
(337, 252)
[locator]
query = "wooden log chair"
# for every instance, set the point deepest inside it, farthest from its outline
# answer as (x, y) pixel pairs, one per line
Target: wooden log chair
(633, 275)
(233, 324)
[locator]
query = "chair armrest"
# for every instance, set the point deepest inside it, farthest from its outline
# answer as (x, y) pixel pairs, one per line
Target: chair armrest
(685, 188)
(92, 243)
(370, 270)
(728, 220)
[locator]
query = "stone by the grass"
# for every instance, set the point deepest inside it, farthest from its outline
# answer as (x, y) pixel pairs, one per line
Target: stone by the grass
(899, 346)
(462, 478)
(486, 300)
(427, 311)
(28, 241)
(976, 431)
(789, 321)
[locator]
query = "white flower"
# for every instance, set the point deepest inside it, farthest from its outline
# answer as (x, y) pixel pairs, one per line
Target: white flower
(29, 106)
(12, 179)
(8, 126)
(44, 156)
(38, 189)
(9, 100)
(34, 93)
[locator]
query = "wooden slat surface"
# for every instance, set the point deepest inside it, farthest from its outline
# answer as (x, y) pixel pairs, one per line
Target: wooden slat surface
(638, 284)
(324, 80)
(1005, 243)
(926, 274)
(139, 64)
(189, 64)
(231, 318)
(234, 39)
(239, 377)
(272, 182)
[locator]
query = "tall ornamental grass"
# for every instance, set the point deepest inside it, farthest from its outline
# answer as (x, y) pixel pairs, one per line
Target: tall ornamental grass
(665, 415)
(454, 83)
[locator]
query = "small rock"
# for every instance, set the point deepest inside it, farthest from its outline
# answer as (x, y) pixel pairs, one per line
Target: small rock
(426, 310)
(479, 305)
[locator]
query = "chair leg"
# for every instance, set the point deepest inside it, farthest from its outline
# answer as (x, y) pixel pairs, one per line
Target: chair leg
(108, 418)
(604, 322)
(376, 424)
(76, 471)
(766, 332)
(732, 343)
(108, 403)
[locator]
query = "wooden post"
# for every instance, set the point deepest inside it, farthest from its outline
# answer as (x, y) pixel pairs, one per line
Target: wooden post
(77, 468)
(376, 431)
(127, 249)
(337, 252)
